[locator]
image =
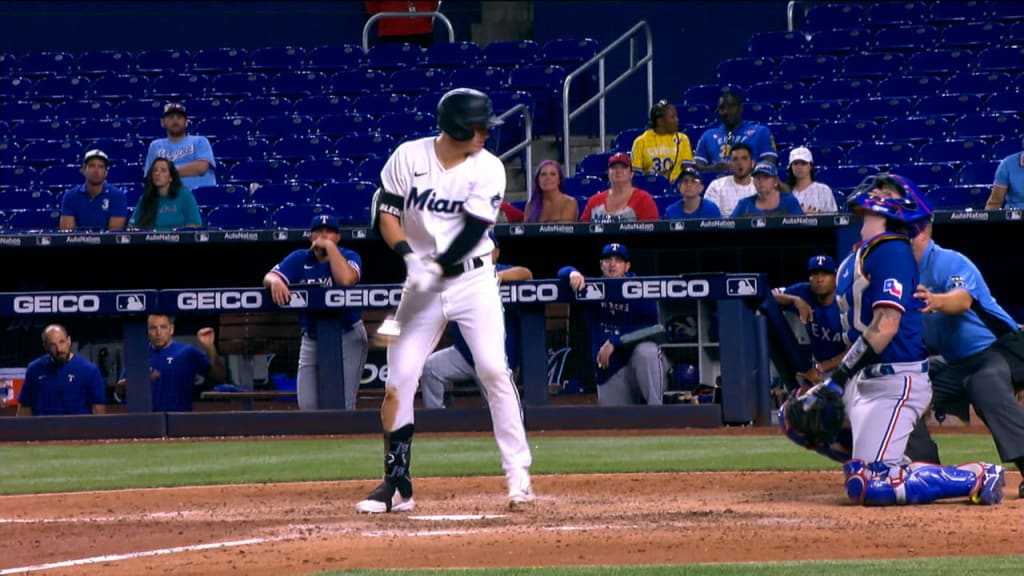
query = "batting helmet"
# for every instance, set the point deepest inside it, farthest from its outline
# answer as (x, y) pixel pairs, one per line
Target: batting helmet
(462, 109)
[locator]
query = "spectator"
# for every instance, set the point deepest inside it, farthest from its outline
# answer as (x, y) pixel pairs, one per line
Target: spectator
(61, 382)
(814, 197)
(815, 303)
(418, 30)
(630, 367)
(716, 144)
(165, 203)
(769, 200)
(693, 206)
(324, 263)
(548, 203)
(662, 149)
(622, 202)
(173, 366)
(192, 155)
(1008, 188)
(96, 204)
(455, 363)
(727, 191)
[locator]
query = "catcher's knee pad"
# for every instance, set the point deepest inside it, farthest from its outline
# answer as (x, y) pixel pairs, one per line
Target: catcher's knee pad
(872, 484)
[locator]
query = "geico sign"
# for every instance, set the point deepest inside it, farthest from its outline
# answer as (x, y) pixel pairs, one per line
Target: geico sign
(529, 292)
(227, 300)
(62, 303)
(383, 297)
(665, 289)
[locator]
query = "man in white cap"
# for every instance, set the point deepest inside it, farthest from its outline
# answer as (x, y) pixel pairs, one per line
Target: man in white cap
(95, 205)
(813, 196)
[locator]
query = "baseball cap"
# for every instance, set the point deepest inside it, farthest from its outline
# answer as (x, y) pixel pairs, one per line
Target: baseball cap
(687, 171)
(325, 221)
(96, 153)
(174, 108)
(821, 262)
(620, 158)
(615, 249)
(801, 153)
(765, 168)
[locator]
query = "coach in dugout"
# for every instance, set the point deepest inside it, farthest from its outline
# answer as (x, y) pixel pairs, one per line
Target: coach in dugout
(61, 382)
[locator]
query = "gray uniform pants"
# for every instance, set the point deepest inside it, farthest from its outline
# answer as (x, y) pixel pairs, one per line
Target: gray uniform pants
(443, 369)
(641, 380)
(354, 347)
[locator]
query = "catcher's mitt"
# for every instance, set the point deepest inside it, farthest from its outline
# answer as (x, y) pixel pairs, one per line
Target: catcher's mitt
(813, 416)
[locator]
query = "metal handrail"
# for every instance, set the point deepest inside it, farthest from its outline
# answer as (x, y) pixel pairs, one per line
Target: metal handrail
(379, 15)
(525, 143)
(598, 59)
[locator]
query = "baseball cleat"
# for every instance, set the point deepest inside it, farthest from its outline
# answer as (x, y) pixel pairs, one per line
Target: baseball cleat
(385, 498)
(520, 491)
(990, 490)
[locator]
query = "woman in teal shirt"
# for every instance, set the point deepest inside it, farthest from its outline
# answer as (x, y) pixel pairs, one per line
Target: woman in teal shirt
(165, 204)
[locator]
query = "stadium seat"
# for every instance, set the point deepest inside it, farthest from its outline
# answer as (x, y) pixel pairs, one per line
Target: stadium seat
(259, 172)
(940, 62)
(927, 175)
(148, 129)
(60, 176)
(277, 195)
(121, 88)
(485, 78)
(26, 200)
(297, 84)
(982, 84)
(219, 60)
(296, 148)
(789, 133)
(211, 107)
(350, 192)
(986, 127)
(377, 105)
(970, 34)
(241, 148)
(99, 129)
(842, 89)
(978, 173)
(8, 64)
(10, 153)
(369, 169)
(338, 125)
(262, 107)
(584, 186)
(41, 130)
(237, 85)
(390, 57)
(229, 127)
(653, 184)
(42, 64)
(950, 105)
(60, 88)
(162, 61)
(452, 55)
(906, 39)
(708, 94)
(959, 197)
(274, 59)
(745, 71)
(873, 65)
(104, 63)
(1005, 102)
(222, 195)
(811, 111)
(119, 151)
(277, 127)
(16, 88)
(891, 14)
(323, 105)
(840, 41)
(624, 140)
(334, 58)
(777, 92)
(810, 67)
(358, 82)
(951, 12)
(911, 87)
(39, 219)
(298, 215)
(774, 44)
(125, 171)
(569, 53)
(78, 110)
(239, 217)
(825, 154)
(17, 176)
(48, 152)
(418, 80)
(510, 53)
(1008, 11)
(844, 177)
(34, 110)
(544, 83)
(178, 86)
(1014, 35)
(594, 164)
(916, 129)
(829, 16)
(845, 132)
(401, 124)
(957, 152)
(324, 170)
(363, 146)
(882, 154)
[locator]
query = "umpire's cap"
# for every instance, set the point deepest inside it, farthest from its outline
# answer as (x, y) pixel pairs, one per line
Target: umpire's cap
(462, 109)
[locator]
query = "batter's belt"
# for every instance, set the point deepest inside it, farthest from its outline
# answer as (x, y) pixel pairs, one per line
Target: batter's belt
(466, 265)
(879, 370)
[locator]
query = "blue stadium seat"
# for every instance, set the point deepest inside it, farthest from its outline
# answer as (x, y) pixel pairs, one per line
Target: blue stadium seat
(959, 197)
(891, 14)
(298, 215)
(122, 88)
(840, 41)
(1014, 34)
(418, 80)
(882, 154)
(222, 195)
(971, 34)
(363, 146)
(323, 105)
(40, 64)
(79, 110)
(957, 152)
(510, 53)
(99, 129)
(148, 129)
(594, 164)
(504, 100)
(789, 133)
(777, 92)
(49, 152)
(842, 89)
(544, 83)
(845, 132)
(987, 127)
(911, 87)
(978, 173)
(262, 107)
(211, 107)
(297, 84)
(950, 12)
(125, 171)
(60, 176)
(162, 61)
(624, 140)
(708, 94)
(568, 52)
(825, 154)
(119, 151)
(358, 82)
(273, 59)
(277, 127)
(391, 57)
(1006, 147)
(927, 175)
(811, 111)
(26, 200)
(41, 130)
(1008, 11)
(59, 88)
(380, 104)
(745, 71)
(334, 58)
(916, 129)
(369, 169)
(400, 124)
(485, 78)
(294, 148)
(452, 55)
(324, 170)
(844, 177)
(34, 110)
(940, 62)
(260, 172)
(584, 186)
(1005, 102)
(1001, 58)
(773, 44)
(828, 16)
(40, 219)
(17, 176)
(241, 148)
(338, 125)
(8, 64)
(10, 152)
(104, 63)
(654, 184)
(178, 86)
(277, 195)
(982, 84)
(16, 88)
(132, 193)
(229, 127)
(237, 85)
(873, 65)
(219, 60)
(809, 67)
(248, 217)
(950, 105)
(697, 114)
(344, 193)
(906, 39)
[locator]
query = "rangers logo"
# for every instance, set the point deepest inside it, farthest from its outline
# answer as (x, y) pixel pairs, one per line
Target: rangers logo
(893, 286)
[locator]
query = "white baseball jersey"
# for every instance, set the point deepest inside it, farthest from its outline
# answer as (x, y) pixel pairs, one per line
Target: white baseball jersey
(435, 198)
(727, 193)
(817, 197)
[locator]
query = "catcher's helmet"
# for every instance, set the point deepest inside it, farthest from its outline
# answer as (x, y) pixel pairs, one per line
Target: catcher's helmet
(910, 208)
(461, 109)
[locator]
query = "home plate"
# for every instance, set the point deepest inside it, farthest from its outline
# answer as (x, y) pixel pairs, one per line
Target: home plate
(458, 517)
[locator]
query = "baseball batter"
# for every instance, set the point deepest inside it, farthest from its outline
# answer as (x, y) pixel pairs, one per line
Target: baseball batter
(887, 365)
(438, 197)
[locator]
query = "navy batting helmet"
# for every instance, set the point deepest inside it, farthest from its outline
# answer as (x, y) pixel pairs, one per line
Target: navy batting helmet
(462, 109)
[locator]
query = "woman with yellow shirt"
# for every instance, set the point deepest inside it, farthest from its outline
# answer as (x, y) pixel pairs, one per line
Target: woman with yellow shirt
(662, 149)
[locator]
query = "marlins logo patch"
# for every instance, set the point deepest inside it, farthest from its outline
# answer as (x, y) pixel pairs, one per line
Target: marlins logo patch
(893, 286)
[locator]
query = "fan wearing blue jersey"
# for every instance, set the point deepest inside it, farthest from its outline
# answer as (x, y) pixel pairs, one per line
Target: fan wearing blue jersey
(327, 264)
(693, 205)
(768, 200)
(192, 155)
(95, 205)
(715, 144)
(61, 382)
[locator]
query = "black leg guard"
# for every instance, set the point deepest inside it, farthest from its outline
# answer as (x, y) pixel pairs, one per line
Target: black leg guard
(398, 458)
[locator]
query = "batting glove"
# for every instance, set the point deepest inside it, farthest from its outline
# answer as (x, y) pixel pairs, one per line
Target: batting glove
(424, 274)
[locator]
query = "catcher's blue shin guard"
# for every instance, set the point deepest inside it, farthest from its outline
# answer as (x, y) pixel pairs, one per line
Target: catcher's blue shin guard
(872, 484)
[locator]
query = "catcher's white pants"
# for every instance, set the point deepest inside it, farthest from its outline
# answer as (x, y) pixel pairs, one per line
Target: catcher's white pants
(884, 409)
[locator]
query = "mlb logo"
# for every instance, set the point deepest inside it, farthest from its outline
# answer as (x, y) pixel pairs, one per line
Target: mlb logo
(1013, 215)
(676, 226)
(758, 223)
(202, 236)
(741, 286)
(841, 220)
(597, 227)
(359, 233)
(280, 235)
(131, 302)
(893, 286)
(591, 292)
(43, 241)
(298, 299)
(124, 239)
(517, 230)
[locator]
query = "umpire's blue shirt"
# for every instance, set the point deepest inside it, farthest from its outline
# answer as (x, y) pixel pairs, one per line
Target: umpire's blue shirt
(957, 336)
(70, 388)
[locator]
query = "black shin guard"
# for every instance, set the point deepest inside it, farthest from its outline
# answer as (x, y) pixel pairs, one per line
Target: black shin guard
(398, 458)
